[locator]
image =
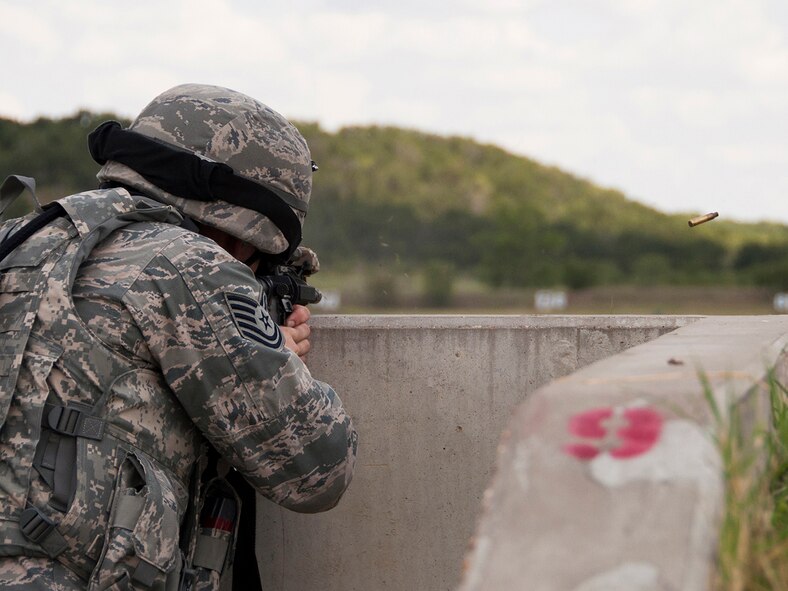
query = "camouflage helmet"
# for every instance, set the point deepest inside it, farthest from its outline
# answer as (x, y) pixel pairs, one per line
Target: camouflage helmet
(248, 148)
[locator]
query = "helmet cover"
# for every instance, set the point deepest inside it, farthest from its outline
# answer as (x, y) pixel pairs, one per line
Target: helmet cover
(223, 125)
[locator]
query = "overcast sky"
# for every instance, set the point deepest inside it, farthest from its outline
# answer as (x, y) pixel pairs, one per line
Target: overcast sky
(680, 104)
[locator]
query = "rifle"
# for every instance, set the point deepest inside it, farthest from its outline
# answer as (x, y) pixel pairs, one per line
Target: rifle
(285, 286)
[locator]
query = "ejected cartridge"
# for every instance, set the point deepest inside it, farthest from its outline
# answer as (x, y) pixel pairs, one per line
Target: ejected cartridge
(702, 219)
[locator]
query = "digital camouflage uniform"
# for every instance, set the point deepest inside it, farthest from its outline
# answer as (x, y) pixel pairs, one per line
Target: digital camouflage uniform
(162, 349)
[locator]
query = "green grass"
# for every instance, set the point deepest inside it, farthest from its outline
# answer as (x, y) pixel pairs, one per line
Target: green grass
(753, 547)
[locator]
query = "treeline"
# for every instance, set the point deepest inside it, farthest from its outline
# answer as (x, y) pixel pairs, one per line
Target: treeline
(393, 196)
(388, 196)
(54, 152)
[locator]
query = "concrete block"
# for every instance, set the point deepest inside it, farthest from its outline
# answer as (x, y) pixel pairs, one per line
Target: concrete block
(608, 478)
(430, 396)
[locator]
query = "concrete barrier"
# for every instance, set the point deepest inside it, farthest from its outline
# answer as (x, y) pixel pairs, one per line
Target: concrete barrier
(607, 480)
(430, 396)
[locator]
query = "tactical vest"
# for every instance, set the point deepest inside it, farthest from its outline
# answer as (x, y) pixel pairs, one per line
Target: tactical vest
(84, 472)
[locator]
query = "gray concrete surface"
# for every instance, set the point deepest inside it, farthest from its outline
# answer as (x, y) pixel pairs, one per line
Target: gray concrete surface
(430, 396)
(630, 502)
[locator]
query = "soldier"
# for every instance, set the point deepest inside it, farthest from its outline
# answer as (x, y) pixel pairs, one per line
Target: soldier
(136, 348)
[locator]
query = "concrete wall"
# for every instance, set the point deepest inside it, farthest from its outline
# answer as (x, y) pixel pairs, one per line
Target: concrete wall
(609, 480)
(430, 396)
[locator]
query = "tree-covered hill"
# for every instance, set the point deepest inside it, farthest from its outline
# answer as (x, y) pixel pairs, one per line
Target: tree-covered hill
(395, 194)
(386, 196)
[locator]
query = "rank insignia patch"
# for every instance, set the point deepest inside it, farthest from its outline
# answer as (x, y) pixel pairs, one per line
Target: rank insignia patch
(253, 321)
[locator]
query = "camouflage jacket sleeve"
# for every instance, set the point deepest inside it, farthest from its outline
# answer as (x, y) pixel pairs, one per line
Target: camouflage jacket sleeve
(224, 359)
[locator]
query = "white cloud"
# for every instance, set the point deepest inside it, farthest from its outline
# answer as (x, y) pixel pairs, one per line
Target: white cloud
(11, 106)
(24, 31)
(668, 100)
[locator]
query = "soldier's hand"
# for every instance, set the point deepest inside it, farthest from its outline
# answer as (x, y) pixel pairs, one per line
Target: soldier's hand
(296, 331)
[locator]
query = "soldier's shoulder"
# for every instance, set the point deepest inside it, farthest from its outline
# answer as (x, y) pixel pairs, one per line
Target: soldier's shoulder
(164, 238)
(195, 259)
(189, 268)
(184, 247)
(148, 244)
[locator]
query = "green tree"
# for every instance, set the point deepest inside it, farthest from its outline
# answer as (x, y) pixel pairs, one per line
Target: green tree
(518, 247)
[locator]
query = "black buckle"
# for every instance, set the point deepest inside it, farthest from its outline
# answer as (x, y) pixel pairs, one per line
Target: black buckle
(74, 422)
(35, 525)
(64, 419)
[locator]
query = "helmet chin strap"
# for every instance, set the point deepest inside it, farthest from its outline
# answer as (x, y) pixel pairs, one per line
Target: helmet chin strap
(183, 173)
(256, 257)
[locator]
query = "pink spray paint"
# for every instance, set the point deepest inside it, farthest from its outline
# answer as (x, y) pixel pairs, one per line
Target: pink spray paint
(627, 433)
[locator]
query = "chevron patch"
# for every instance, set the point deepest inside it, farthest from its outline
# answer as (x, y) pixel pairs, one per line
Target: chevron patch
(253, 321)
